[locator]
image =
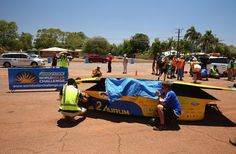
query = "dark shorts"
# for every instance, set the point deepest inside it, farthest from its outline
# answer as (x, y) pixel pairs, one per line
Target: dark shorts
(169, 114)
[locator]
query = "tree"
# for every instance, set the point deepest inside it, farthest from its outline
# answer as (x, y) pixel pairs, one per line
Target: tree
(139, 43)
(8, 35)
(26, 41)
(114, 49)
(98, 45)
(75, 40)
(208, 40)
(49, 37)
(193, 37)
(156, 47)
(125, 48)
(185, 46)
(171, 43)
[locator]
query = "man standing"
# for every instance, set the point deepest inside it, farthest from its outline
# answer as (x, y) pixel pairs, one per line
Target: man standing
(180, 68)
(109, 58)
(125, 63)
(64, 63)
(195, 69)
(54, 61)
(169, 107)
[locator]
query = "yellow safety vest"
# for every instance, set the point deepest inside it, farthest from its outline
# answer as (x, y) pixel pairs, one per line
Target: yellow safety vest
(69, 101)
(64, 62)
(213, 71)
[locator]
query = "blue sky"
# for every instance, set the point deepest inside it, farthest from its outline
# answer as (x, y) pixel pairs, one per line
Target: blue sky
(117, 20)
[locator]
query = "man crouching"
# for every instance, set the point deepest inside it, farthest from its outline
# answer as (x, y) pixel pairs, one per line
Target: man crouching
(69, 96)
(169, 107)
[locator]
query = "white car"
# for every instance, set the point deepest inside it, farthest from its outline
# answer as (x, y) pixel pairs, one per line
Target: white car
(221, 64)
(12, 59)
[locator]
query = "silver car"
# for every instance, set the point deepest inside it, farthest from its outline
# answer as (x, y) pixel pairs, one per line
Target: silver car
(20, 60)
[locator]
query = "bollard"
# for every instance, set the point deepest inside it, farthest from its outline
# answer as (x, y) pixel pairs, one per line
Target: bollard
(49, 59)
(132, 61)
(86, 60)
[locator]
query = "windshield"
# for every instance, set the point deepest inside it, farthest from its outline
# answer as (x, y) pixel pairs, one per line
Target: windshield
(34, 56)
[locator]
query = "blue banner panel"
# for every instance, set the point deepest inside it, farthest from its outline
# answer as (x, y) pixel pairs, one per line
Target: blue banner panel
(37, 78)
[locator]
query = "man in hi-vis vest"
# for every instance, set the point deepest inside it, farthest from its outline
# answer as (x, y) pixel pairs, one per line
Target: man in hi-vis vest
(69, 96)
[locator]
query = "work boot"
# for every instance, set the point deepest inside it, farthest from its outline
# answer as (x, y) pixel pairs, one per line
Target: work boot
(233, 141)
(160, 127)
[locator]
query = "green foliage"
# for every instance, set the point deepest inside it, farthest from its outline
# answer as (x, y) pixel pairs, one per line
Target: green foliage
(193, 37)
(139, 43)
(98, 45)
(114, 50)
(208, 41)
(26, 41)
(193, 41)
(8, 35)
(49, 37)
(74, 40)
(156, 47)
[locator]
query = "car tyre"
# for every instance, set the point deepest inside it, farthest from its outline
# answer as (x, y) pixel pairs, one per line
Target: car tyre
(34, 64)
(7, 64)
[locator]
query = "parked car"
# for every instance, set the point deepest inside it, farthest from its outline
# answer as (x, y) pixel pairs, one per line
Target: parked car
(34, 56)
(20, 60)
(70, 57)
(221, 64)
(96, 58)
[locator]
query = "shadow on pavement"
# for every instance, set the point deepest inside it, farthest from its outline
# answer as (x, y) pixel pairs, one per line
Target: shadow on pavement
(32, 91)
(213, 117)
(129, 119)
(67, 124)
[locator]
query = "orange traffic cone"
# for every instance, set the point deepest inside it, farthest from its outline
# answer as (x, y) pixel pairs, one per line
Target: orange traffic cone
(136, 73)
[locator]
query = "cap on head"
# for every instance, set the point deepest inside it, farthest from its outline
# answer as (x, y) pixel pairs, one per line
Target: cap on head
(71, 81)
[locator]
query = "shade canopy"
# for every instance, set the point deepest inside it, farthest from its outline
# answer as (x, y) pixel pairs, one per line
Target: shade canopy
(55, 49)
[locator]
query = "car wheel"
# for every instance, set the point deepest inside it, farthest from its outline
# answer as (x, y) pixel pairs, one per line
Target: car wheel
(34, 64)
(90, 60)
(7, 64)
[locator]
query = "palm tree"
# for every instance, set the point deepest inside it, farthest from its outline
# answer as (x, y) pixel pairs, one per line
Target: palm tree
(209, 41)
(193, 37)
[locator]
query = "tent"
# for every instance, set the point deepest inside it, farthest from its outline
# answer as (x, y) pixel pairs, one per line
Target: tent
(49, 52)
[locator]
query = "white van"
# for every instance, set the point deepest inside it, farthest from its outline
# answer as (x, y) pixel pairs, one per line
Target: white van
(12, 59)
(221, 64)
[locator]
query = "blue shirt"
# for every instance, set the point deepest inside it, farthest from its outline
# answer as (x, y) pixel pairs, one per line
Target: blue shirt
(172, 102)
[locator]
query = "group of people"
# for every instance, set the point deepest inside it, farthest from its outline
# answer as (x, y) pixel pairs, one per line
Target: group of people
(169, 66)
(97, 72)
(64, 63)
(198, 70)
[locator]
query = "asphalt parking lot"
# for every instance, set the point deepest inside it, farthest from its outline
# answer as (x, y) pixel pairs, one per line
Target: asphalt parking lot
(30, 123)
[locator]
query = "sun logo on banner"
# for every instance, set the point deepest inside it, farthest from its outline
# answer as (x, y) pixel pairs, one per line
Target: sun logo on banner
(25, 77)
